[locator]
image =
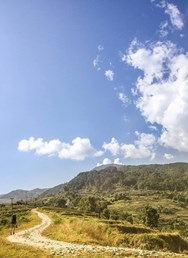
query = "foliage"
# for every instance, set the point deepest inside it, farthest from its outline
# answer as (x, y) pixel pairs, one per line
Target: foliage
(106, 214)
(150, 217)
(61, 203)
(167, 177)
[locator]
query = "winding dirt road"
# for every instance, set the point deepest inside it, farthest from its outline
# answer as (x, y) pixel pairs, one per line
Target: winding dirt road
(34, 238)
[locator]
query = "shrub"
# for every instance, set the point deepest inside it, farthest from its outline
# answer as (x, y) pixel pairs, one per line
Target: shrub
(106, 214)
(150, 217)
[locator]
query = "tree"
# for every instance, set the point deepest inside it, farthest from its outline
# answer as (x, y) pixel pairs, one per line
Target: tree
(92, 204)
(106, 213)
(150, 217)
(61, 203)
(87, 203)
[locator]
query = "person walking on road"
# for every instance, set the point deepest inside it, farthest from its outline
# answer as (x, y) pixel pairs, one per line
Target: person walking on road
(13, 224)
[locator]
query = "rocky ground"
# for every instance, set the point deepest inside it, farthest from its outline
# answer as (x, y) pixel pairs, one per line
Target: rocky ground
(34, 238)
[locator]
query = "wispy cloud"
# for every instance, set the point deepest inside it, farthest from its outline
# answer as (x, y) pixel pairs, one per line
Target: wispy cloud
(123, 98)
(163, 29)
(97, 62)
(175, 15)
(79, 149)
(109, 75)
(100, 48)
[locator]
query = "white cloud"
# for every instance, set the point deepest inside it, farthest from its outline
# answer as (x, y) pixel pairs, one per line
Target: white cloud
(137, 152)
(108, 161)
(143, 147)
(153, 128)
(109, 75)
(117, 161)
(163, 89)
(175, 16)
(79, 149)
(168, 156)
(173, 12)
(140, 56)
(105, 161)
(123, 98)
(31, 144)
(113, 146)
(145, 139)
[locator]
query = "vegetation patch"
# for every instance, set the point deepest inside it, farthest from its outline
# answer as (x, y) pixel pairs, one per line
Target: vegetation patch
(113, 233)
(156, 241)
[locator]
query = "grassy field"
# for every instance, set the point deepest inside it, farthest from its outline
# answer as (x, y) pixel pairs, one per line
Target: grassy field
(26, 219)
(87, 229)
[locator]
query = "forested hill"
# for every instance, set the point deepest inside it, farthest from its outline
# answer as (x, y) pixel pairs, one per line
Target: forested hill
(172, 177)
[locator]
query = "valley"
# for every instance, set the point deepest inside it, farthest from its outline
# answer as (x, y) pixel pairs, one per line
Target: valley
(136, 207)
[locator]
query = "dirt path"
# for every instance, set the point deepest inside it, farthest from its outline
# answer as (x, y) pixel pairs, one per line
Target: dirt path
(34, 238)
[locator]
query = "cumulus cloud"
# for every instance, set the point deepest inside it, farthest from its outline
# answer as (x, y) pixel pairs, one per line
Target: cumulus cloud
(117, 161)
(108, 161)
(112, 146)
(163, 89)
(168, 156)
(105, 161)
(79, 149)
(143, 147)
(109, 75)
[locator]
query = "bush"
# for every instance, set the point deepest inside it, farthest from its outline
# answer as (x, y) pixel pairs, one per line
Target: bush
(106, 214)
(150, 217)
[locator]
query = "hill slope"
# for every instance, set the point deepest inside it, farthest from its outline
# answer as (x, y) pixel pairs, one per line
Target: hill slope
(168, 177)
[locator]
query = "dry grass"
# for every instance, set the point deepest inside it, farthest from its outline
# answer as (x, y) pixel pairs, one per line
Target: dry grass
(94, 231)
(11, 250)
(81, 230)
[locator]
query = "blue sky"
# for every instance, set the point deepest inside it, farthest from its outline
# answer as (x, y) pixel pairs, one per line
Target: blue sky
(85, 83)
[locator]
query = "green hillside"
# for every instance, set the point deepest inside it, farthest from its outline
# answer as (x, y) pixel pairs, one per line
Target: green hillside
(168, 177)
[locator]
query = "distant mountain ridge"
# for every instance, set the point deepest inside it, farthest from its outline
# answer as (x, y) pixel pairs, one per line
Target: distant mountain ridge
(53, 190)
(20, 194)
